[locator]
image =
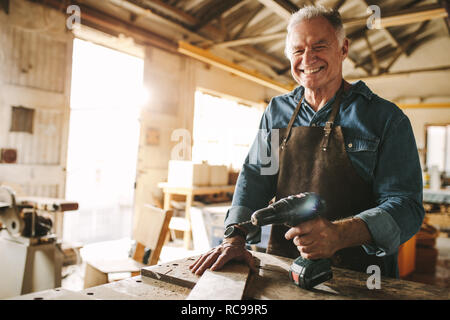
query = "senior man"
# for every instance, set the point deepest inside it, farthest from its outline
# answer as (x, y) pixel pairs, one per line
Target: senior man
(340, 140)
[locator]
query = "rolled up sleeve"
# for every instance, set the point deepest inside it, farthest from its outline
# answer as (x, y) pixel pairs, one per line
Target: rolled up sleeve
(384, 230)
(398, 191)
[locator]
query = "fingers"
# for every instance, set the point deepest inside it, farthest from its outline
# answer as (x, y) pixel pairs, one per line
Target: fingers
(215, 259)
(299, 230)
(306, 240)
(251, 262)
(309, 253)
(197, 264)
(207, 262)
(223, 258)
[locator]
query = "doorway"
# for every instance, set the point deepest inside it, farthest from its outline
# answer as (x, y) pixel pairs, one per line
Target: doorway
(106, 95)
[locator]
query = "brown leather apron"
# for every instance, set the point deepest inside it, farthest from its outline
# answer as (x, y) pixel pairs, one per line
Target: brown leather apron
(314, 159)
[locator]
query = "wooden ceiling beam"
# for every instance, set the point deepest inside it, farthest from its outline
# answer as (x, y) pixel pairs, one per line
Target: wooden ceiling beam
(282, 8)
(213, 10)
(406, 44)
(209, 58)
(373, 56)
(249, 19)
(400, 73)
(251, 40)
(338, 4)
(262, 56)
(212, 31)
(388, 51)
(404, 17)
(168, 9)
(94, 18)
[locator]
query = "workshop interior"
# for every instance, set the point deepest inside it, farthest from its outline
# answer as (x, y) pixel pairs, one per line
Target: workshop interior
(124, 126)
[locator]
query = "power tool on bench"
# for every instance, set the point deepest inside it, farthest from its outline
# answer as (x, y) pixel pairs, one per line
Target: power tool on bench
(294, 210)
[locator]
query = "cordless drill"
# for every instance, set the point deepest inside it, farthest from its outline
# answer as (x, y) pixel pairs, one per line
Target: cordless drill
(292, 211)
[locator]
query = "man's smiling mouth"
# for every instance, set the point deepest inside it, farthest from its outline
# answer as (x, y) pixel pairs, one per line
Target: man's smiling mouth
(310, 71)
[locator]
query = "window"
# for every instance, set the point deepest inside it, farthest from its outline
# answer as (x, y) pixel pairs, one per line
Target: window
(224, 130)
(438, 147)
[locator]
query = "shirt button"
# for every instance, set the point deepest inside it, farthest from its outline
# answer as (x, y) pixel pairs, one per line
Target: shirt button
(350, 145)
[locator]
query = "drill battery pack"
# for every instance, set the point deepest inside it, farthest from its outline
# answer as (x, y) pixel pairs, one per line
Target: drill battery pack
(309, 273)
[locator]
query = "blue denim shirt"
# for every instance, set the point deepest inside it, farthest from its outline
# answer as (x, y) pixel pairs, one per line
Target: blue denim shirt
(380, 144)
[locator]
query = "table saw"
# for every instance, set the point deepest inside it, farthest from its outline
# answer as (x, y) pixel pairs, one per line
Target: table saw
(174, 281)
(30, 254)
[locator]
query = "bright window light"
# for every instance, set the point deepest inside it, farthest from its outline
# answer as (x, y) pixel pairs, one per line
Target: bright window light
(106, 96)
(223, 130)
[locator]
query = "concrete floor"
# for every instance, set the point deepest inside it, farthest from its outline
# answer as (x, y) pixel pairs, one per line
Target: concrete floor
(73, 275)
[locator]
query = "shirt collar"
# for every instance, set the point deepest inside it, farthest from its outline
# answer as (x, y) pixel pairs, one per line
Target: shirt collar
(358, 87)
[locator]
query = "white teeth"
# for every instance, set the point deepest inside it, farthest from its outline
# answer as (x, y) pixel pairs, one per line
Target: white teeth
(311, 70)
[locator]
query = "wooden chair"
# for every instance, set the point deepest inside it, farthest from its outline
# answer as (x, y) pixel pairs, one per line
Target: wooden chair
(150, 230)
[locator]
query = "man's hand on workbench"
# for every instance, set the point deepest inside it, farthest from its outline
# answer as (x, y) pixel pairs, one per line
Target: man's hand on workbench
(315, 239)
(230, 249)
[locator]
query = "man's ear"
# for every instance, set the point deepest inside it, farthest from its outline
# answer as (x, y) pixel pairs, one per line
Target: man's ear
(345, 48)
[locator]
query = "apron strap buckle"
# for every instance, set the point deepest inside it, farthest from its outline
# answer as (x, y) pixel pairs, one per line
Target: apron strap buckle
(283, 143)
(327, 129)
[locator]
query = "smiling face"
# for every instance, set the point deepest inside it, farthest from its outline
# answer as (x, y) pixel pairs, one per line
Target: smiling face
(315, 54)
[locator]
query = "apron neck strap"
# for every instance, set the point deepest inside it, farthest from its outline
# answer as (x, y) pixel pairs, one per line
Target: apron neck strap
(329, 123)
(336, 103)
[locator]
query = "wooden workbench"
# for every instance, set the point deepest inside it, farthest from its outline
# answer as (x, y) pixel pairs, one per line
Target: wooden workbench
(271, 282)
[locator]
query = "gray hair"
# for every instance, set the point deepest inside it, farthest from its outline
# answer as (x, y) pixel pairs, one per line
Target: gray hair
(310, 12)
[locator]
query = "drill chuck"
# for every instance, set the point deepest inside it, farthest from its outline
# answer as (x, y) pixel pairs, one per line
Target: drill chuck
(291, 210)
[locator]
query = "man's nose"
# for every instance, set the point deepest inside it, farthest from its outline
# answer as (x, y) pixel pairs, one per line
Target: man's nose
(308, 57)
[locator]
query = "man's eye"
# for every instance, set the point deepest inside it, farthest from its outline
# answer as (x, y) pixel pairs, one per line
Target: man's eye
(319, 47)
(299, 51)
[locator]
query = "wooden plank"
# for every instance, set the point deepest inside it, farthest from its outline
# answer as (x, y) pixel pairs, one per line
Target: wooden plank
(175, 272)
(137, 288)
(53, 294)
(229, 283)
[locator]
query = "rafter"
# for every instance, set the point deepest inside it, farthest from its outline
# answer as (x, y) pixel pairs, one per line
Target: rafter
(213, 10)
(283, 8)
(401, 73)
(388, 52)
(167, 9)
(407, 43)
(338, 4)
(208, 57)
(251, 40)
(247, 21)
(403, 17)
(373, 56)
(204, 38)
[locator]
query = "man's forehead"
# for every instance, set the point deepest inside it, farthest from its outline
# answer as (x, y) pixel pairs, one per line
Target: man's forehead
(313, 31)
(311, 40)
